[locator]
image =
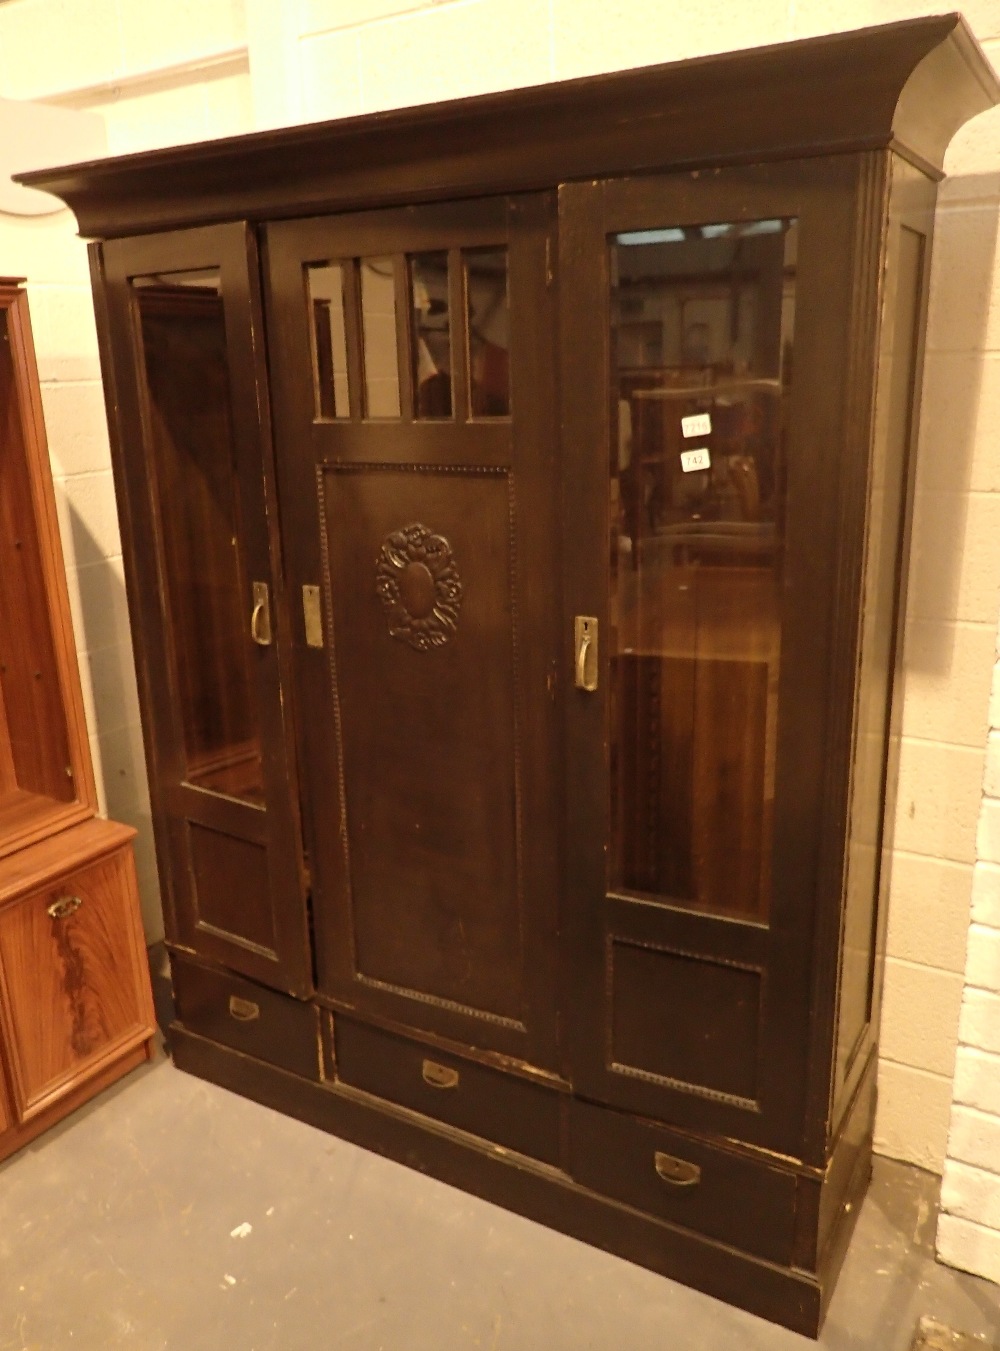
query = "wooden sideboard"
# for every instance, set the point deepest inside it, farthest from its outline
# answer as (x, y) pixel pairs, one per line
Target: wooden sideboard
(75, 1005)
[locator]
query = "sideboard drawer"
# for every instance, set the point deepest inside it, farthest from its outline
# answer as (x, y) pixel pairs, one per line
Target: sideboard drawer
(496, 1106)
(716, 1192)
(248, 1017)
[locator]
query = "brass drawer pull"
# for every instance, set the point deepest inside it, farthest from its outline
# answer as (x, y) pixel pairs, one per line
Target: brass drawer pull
(439, 1076)
(64, 907)
(677, 1172)
(243, 1010)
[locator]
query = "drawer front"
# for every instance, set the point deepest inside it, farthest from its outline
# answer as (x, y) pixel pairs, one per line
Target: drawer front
(712, 1191)
(74, 973)
(247, 1017)
(499, 1107)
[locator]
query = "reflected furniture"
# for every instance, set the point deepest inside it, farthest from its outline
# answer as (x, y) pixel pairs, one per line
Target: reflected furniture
(515, 499)
(75, 1007)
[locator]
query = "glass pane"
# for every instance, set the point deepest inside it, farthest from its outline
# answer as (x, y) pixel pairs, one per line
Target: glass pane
(34, 740)
(187, 379)
(378, 316)
(702, 324)
(431, 334)
(329, 340)
(488, 321)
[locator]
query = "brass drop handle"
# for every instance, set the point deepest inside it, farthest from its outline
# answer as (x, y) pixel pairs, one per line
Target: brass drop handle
(585, 634)
(676, 1172)
(439, 1076)
(64, 907)
(243, 1010)
(260, 617)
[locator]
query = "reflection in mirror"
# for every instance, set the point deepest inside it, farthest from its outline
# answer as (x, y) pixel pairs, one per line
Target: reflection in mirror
(702, 329)
(378, 317)
(183, 333)
(325, 283)
(431, 327)
(488, 327)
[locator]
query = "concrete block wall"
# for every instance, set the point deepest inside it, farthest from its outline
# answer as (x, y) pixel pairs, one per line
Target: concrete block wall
(182, 71)
(969, 1226)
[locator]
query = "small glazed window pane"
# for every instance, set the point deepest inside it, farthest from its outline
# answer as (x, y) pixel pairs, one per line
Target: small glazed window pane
(378, 319)
(702, 323)
(325, 283)
(183, 335)
(488, 325)
(431, 328)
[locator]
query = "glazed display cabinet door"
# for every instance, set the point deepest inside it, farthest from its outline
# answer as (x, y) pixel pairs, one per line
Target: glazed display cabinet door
(185, 325)
(415, 412)
(704, 340)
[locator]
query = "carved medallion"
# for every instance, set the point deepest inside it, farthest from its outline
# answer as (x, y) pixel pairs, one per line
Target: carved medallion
(419, 586)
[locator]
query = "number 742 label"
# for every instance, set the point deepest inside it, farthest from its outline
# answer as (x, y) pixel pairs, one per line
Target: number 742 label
(695, 459)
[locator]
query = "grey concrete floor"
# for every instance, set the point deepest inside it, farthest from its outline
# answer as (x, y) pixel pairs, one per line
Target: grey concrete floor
(170, 1215)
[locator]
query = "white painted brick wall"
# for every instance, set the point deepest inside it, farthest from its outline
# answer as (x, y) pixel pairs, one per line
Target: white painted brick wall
(326, 58)
(972, 1247)
(986, 890)
(969, 1229)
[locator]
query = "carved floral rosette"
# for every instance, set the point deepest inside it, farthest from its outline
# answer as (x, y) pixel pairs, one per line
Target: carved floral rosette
(419, 586)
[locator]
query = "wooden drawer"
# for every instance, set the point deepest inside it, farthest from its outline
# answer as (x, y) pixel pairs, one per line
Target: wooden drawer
(74, 979)
(720, 1194)
(248, 1017)
(496, 1106)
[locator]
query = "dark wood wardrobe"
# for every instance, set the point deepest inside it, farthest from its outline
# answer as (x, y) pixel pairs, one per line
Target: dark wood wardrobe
(515, 498)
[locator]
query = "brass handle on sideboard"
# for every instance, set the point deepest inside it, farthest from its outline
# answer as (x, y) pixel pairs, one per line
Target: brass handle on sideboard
(676, 1172)
(243, 1010)
(439, 1076)
(64, 907)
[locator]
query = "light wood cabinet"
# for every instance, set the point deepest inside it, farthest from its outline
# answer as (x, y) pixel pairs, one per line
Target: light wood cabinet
(514, 499)
(75, 1005)
(72, 962)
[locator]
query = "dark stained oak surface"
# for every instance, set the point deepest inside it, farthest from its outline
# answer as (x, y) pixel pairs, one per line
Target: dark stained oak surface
(907, 85)
(429, 763)
(200, 522)
(565, 912)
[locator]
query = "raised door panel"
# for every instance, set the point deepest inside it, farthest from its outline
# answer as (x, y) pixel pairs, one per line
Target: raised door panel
(415, 419)
(706, 401)
(185, 368)
(428, 734)
(75, 991)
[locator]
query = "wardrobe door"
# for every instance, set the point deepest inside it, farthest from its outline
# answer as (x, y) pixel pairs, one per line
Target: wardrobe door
(415, 425)
(706, 324)
(186, 378)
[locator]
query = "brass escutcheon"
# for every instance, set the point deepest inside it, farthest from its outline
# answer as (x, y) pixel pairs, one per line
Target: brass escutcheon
(64, 907)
